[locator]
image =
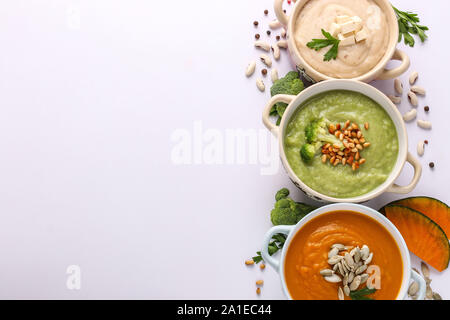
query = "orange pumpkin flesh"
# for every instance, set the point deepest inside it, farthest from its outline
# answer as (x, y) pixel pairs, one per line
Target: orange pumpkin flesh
(422, 235)
(434, 209)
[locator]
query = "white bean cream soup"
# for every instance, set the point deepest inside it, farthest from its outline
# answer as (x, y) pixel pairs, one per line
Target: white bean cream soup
(361, 27)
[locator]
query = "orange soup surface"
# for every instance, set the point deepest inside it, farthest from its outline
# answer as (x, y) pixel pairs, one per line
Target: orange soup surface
(308, 254)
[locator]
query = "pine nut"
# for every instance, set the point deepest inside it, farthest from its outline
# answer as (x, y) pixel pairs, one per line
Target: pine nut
(366, 126)
(324, 158)
(366, 145)
(362, 160)
(249, 262)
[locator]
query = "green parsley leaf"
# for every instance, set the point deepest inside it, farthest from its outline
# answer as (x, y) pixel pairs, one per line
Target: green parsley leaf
(408, 26)
(329, 40)
(362, 294)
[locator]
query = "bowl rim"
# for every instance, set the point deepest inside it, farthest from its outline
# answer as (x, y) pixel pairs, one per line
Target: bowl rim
(393, 31)
(363, 210)
(388, 106)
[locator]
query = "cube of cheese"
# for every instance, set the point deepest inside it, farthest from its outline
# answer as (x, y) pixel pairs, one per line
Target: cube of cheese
(349, 26)
(361, 35)
(346, 41)
(342, 19)
(335, 29)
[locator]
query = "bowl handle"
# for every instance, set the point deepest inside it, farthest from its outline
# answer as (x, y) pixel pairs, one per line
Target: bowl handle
(422, 285)
(417, 173)
(281, 16)
(387, 74)
(266, 113)
(274, 263)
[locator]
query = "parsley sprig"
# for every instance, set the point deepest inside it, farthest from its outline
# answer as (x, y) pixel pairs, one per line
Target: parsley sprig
(408, 26)
(276, 244)
(362, 294)
(329, 40)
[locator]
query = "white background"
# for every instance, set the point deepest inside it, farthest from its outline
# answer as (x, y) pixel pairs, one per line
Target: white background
(90, 94)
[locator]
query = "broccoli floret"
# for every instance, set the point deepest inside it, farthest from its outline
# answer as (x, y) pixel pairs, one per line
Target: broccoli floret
(308, 151)
(316, 134)
(281, 194)
(316, 131)
(287, 211)
(289, 84)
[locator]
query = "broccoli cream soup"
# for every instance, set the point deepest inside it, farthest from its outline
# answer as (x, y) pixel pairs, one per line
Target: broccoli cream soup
(360, 25)
(341, 144)
(347, 231)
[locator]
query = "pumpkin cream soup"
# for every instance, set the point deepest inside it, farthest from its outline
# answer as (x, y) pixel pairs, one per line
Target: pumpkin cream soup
(341, 144)
(360, 244)
(360, 25)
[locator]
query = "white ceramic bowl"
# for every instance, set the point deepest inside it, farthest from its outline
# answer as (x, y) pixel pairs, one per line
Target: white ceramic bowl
(378, 72)
(403, 155)
(290, 231)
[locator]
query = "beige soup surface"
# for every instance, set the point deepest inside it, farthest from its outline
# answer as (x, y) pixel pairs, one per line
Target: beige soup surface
(352, 60)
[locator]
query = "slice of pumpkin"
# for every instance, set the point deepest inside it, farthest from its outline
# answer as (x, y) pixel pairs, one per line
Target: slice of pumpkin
(434, 209)
(422, 235)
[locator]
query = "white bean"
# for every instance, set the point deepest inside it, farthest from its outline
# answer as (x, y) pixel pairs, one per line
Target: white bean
(398, 85)
(413, 98)
(410, 115)
(418, 90)
(266, 60)
(395, 99)
(276, 52)
(262, 45)
(250, 68)
(424, 124)
(413, 77)
(421, 148)
(274, 75)
(275, 24)
(260, 85)
(282, 44)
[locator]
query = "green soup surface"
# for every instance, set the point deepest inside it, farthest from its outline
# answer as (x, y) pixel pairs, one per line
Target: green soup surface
(341, 181)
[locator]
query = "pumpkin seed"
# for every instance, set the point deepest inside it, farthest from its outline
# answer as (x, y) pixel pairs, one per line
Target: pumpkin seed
(364, 277)
(334, 260)
(355, 283)
(326, 272)
(425, 269)
(341, 268)
(340, 294)
(351, 276)
(348, 258)
(345, 280)
(365, 252)
(369, 259)
(334, 278)
(357, 255)
(361, 269)
(436, 296)
(339, 246)
(413, 288)
(347, 290)
(429, 293)
(333, 252)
